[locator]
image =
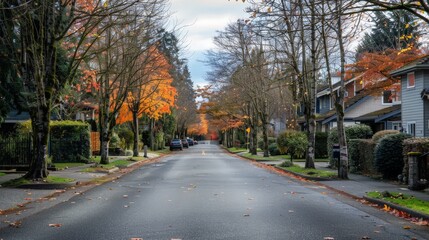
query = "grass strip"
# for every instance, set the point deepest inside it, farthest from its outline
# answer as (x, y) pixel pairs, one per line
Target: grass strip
(62, 166)
(2, 174)
(403, 200)
(311, 172)
(50, 179)
(262, 158)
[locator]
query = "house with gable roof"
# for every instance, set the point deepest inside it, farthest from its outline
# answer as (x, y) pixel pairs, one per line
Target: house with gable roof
(414, 78)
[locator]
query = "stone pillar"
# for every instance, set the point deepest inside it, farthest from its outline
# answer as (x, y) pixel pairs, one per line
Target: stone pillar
(413, 171)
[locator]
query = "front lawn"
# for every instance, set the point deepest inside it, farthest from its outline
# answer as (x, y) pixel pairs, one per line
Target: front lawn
(403, 200)
(311, 172)
(2, 174)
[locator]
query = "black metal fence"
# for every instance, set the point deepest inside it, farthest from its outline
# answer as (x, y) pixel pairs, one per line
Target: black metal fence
(16, 150)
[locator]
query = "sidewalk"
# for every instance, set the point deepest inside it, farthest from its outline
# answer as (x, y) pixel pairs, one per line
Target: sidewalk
(12, 198)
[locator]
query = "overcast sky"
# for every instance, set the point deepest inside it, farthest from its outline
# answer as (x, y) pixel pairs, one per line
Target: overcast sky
(200, 20)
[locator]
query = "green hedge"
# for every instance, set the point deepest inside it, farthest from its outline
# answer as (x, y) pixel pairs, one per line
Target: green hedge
(380, 134)
(69, 141)
(271, 140)
(359, 131)
(273, 149)
(321, 146)
(389, 158)
(361, 156)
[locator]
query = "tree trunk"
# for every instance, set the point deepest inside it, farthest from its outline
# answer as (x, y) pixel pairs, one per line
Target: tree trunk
(265, 138)
(339, 105)
(135, 127)
(104, 145)
(40, 126)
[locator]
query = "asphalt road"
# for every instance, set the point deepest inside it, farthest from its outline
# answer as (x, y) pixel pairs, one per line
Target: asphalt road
(204, 193)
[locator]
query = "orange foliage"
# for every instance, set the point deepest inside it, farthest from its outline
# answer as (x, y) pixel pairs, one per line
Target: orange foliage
(374, 68)
(200, 128)
(155, 95)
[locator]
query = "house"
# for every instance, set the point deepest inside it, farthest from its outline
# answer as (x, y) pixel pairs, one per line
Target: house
(415, 92)
(362, 106)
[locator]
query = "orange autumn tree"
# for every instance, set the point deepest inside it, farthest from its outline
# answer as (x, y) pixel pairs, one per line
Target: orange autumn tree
(152, 95)
(374, 68)
(201, 127)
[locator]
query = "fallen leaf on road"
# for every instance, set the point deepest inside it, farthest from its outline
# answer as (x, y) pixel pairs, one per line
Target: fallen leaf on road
(136, 238)
(55, 225)
(16, 224)
(246, 215)
(291, 211)
(366, 237)
(328, 238)
(28, 199)
(125, 206)
(125, 196)
(407, 227)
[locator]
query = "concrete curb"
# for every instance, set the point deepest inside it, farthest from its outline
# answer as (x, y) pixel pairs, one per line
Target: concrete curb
(411, 212)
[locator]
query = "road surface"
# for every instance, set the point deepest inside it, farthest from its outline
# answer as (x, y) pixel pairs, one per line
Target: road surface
(204, 193)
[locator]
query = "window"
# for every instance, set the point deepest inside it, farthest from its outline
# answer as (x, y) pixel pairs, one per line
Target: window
(391, 96)
(410, 80)
(411, 129)
(396, 126)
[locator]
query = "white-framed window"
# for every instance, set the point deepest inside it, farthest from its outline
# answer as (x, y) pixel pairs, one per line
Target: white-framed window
(411, 128)
(391, 97)
(396, 126)
(411, 80)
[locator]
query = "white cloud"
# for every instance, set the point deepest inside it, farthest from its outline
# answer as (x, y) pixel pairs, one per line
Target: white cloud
(201, 19)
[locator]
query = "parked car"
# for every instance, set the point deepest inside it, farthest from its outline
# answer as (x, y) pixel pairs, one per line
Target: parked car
(190, 141)
(176, 144)
(185, 143)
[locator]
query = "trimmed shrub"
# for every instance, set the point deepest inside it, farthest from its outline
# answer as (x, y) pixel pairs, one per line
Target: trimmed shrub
(380, 134)
(361, 156)
(271, 140)
(127, 137)
(389, 158)
(358, 131)
(292, 142)
(70, 141)
(273, 149)
(321, 145)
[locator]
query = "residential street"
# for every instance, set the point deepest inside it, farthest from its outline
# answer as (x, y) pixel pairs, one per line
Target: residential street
(204, 193)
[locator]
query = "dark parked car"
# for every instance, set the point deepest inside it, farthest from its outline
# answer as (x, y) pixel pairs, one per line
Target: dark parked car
(176, 144)
(190, 141)
(185, 143)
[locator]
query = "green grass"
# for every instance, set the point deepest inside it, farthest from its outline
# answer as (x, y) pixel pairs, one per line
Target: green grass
(50, 179)
(404, 200)
(237, 150)
(2, 174)
(261, 158)
(62, 166)
(311, 172)
(111, 165)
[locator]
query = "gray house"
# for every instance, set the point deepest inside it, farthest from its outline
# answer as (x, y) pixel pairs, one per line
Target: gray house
(415, 97)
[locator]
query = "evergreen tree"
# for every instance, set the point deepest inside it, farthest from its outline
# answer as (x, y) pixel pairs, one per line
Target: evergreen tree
(392, 30)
